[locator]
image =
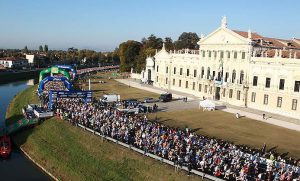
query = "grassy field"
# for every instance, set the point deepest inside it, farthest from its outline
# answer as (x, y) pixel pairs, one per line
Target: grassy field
(217, 124)
(112, 86)
(70, 153)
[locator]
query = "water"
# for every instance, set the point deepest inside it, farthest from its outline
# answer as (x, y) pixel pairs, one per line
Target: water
(17, 167)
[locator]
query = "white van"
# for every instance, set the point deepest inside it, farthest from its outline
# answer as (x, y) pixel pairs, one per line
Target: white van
(109, 98)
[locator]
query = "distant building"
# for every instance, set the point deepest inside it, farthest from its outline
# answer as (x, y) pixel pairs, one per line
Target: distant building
(11, 62)
(30, 59)
(240, 68)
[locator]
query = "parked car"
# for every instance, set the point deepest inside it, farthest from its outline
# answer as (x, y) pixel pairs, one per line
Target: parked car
(165, 97)
(132, 102)
(109, 98)
(149, 100)
(144, 109)
(129, 110)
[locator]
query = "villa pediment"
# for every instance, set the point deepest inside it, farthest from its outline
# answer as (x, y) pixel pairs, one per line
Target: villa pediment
(223, 36)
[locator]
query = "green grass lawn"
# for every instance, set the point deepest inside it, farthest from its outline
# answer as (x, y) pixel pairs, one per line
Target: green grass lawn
(112, 86)
(71, 153)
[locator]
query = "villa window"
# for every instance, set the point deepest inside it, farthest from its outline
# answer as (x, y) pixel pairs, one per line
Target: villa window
(255, 78)
(294, 104)
(253, 95)
(208, 73)
(157, 68)
(209, 53)
(222, 54)
(166, 80)
(238, 95)
(243, 55)
(230, 93)
(186, 84)
(194, 85)
(235, 55)
(241, 77)
(200, 87)
(279, 101)
(167, 69)
(173, 81)
(195, 73)
(297, 86)
(174, 70)
(266, 99)
(233, 76)
(268, 82)
(179, 83)
(281, 84)
(187, 72)
(226, 76)
(203, 54)
(205, 89)
(180, 71)
(202, 72)
(228, 54)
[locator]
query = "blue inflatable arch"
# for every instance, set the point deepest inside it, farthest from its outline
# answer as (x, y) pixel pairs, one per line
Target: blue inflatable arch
(67, 84)
(69, 68)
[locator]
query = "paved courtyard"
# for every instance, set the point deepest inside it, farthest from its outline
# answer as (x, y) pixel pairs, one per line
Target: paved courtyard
(193, 103)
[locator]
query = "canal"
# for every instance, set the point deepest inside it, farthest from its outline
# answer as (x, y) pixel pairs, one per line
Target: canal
(17, 167)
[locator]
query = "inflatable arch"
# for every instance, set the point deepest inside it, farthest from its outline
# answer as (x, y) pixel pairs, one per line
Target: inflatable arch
(67, 84)
(52, 71)
(69, 68)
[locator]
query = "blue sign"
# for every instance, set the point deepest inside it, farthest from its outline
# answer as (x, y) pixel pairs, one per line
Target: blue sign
(53, 95)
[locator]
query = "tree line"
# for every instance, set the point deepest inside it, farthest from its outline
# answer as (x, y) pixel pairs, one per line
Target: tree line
(133, 54)
(129, 54)
(70, 56)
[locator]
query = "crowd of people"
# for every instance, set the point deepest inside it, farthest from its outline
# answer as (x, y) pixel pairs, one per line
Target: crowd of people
(93, 69)
(55, 85)
(183, 147)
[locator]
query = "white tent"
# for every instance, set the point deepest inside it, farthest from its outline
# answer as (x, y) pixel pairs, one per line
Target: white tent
(207, 105)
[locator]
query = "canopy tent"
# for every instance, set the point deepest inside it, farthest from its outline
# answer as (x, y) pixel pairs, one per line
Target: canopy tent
(207, 105)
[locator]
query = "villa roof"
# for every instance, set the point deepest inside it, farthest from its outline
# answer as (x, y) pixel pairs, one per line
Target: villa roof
(271, 42)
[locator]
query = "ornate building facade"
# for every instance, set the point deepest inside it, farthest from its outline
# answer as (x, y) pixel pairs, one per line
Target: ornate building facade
(235, 67)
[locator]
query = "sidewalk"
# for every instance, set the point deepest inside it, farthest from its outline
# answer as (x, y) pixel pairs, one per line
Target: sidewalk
(277, 120)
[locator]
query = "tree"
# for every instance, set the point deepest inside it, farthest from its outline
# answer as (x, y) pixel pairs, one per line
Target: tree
(169, 43)
(46, 48)
(25, 50)
(128, 53)
(41, 48)
(152, 42)
(187, 40)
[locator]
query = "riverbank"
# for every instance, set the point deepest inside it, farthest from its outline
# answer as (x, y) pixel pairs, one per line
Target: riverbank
(6, 77)
(70, 153)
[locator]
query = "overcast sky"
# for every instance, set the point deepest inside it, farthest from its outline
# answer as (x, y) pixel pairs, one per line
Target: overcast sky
(103, 24)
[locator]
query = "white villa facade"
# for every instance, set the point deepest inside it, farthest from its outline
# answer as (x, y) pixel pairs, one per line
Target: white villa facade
(234, 67)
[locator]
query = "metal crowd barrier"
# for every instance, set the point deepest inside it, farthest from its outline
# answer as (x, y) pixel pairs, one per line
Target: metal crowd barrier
(163, 160)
